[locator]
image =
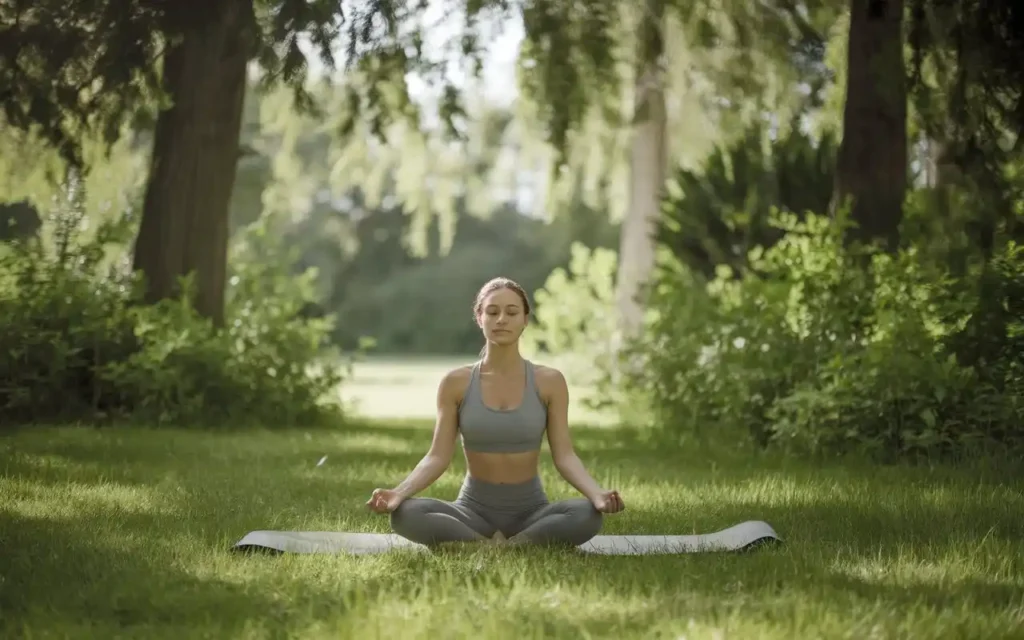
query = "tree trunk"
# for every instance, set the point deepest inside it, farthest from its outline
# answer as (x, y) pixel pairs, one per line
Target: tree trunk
(872, 164)
(648, 165)
(184, 227)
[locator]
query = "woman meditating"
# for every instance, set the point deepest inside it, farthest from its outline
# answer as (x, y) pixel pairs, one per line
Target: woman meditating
(502, 406)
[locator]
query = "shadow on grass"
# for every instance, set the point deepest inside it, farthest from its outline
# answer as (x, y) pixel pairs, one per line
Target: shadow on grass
(976, 592)
(67, 574)
(221, 496)
(108, 575)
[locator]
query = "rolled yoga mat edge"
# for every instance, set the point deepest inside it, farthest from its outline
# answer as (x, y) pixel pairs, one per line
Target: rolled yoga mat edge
(740, 537)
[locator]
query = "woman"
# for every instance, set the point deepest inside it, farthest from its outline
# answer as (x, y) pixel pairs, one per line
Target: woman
(502, 406)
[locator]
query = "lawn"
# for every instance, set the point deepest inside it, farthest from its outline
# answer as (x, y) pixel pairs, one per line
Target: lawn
(126, 533)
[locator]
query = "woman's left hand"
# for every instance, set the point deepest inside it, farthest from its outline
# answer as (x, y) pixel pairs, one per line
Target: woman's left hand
(608, 502)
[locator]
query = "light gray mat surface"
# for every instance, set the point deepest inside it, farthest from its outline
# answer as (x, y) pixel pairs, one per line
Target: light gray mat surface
(735, 538)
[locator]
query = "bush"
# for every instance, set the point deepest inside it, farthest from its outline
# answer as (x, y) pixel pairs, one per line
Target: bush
(82, 347)
(574, 320)
(821, 348)
(713, 214)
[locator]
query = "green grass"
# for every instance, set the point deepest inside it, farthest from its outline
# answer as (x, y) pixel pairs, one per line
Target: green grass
(126, 533)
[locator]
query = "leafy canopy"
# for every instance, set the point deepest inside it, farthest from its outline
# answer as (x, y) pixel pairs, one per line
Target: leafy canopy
(68, 70)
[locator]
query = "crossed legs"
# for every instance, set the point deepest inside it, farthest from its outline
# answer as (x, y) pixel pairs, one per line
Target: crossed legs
(571, 522)
(430, 521)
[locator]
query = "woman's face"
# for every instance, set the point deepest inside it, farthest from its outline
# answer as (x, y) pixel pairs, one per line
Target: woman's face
(502, 317)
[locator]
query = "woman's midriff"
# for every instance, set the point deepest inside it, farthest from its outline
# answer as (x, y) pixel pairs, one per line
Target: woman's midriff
(502, 468)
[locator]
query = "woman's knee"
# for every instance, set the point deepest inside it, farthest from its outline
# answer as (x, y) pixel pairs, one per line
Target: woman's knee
(586, 520)
(408, 517)
(591, 519)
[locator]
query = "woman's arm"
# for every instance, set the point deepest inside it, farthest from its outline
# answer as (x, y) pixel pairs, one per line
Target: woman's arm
(433, 465)
(562, 452)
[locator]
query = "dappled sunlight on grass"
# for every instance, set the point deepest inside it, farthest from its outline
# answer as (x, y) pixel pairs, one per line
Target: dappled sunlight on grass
(949, 568)
(127, 532)
(75, 500)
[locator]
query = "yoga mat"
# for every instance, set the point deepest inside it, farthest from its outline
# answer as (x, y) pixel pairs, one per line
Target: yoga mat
(736, 538)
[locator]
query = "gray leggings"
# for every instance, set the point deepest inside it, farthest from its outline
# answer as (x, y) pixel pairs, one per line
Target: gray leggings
(484, 508)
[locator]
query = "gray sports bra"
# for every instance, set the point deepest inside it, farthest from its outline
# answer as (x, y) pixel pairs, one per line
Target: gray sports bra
(502, 431)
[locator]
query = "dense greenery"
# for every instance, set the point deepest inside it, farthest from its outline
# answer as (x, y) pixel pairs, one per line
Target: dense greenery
(80, 345)
(810, 351)
(715, 215)
(764, 316)
(765, 319)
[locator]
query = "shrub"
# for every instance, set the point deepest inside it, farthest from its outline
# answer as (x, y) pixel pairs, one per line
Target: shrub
(82, 347)
(713, 214)
(574, 322)
(822, 348)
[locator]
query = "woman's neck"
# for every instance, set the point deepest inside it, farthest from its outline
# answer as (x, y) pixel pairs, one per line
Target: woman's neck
(503, 359)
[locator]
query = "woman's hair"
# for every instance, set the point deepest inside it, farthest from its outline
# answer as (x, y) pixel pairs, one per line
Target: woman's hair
(490, 287)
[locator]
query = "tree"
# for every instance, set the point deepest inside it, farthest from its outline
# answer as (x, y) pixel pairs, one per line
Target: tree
(95, 64)
(69, 69)
(573, 84)
(648, 165)
(967, 91)
(74, 69)
(185, 219)
(872, 164)
(752, 54)
(962, 90)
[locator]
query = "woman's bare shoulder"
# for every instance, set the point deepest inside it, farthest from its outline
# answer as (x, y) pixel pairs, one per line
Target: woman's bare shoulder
(455, 381)
(549, 379)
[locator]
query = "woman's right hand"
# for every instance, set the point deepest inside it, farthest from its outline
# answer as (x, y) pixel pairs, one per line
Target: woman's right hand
(384, 500)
